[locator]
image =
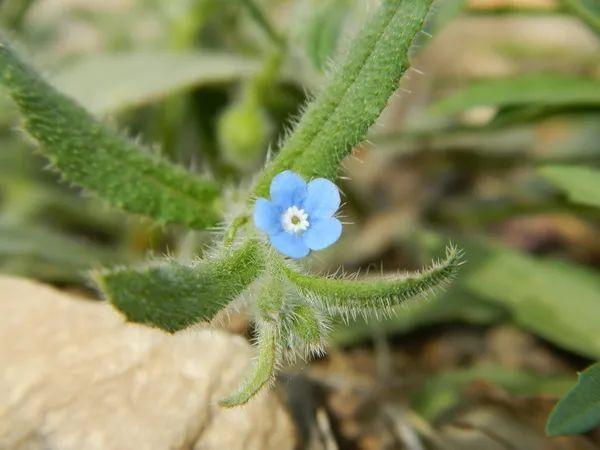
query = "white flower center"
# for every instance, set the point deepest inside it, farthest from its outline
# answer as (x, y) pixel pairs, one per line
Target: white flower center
(294, 220)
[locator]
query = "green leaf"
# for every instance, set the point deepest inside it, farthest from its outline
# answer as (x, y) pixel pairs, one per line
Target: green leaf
(353, 99)
(111, 82)
(579, 411)
(262, 372)
(97, 158)
(173, 296)
(40, 252)
(587, 10)
(26, 200)
(539, 90)
(582, 184)
(379, 296)
(557, 300)
(323, 31)
(14, 13)
(446, 390)
(578, 140)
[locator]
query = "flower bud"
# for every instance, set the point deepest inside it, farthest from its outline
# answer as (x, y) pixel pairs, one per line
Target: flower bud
(243, 130)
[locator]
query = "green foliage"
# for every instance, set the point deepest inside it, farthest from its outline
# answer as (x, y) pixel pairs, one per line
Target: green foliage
(587, 10)
(270, 299)
(556, 300)
(262, 372)
(353, 99)
(579, 411)
(41, 252)
(377, 296)
(307, 327)
(445, 391)
(301, 327)
(523, 90)
(582, 184)
(263, 22)
(25, 201)
(292, 311)
(97, 158)
(14, 12)
(106, 83)
(173, 296)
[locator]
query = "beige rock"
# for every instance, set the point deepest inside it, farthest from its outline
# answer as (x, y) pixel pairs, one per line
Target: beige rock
(73, 375)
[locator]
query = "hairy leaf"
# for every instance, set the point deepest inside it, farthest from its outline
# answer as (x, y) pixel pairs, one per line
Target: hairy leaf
(353, 99)
(582, 184)
(262, 372)
(97, 158)
(110, 82)
(377, 295)
(538, 90)
(173, 296)
(579, 411)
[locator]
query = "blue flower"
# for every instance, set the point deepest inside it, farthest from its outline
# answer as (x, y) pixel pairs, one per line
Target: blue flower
(299, 216)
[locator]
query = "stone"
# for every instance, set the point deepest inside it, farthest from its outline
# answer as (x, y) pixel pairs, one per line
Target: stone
(74, 375)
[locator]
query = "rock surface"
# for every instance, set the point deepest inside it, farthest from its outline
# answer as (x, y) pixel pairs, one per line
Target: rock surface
(74, 376)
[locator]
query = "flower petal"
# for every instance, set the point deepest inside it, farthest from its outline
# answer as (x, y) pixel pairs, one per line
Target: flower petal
(322, 198)
(288, 189)
(322, 233)
(267, 216)
(291, 245)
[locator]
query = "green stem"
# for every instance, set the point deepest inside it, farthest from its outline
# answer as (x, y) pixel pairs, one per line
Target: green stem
(231, 233)
(586, 15)
(15, 13)
(263, 22)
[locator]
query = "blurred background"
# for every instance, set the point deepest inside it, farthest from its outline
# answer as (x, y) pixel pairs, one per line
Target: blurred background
(492, 142)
